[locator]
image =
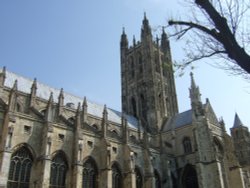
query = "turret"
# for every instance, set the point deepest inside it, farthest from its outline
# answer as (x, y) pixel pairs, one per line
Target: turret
(164, 41)
(241, 137)
(124, 40)
(146, 29)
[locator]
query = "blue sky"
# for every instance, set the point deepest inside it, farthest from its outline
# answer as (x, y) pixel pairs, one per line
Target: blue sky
(74, 44)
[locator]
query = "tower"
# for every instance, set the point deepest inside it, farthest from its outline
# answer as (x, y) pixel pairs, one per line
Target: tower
(241, 139)
(148, 87)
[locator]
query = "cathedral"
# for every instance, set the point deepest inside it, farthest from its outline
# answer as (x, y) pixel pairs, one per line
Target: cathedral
(52, 139)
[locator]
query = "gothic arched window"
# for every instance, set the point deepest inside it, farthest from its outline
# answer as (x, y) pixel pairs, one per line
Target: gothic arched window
(116, 177)
(138, 178)
(58, 171)
(140, 62)
(143, 107)
(133, 105)
(20, 168)
(90, 174)
(157, 179)
(187, 145)
(132, 67)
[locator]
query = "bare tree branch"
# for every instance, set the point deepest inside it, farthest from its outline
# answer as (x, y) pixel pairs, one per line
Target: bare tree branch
(218, 36)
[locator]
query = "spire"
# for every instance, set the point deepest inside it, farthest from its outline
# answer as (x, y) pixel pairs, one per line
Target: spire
(164, 41)
(194, 90)
(2, 76)
(50, 102)
(33, 93)
(237, 121)
(14, 88)
(49, 114)
(195, 97)
(13, 97)
(124, 40)
(134, 41)
(84, 110)
(34, 87)
(78, 109)
(61, 98)
(60, 101)
(105, 113)
(104, 121)
(146, 30)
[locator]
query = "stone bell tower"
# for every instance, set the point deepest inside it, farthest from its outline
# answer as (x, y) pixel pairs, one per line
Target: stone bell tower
(148, 87)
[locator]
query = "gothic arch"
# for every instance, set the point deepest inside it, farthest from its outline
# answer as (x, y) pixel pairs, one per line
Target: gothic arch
(26, 145)
(189, 177)
(117, 179)
(20, 167)
(58, 170)
(138, 177)
(90, 173)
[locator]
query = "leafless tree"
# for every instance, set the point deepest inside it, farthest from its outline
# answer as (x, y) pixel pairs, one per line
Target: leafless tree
(217, 28)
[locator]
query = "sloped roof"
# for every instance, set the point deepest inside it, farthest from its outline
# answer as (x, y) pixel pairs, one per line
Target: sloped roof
(43, 91)
(237, 121)
(179, 120)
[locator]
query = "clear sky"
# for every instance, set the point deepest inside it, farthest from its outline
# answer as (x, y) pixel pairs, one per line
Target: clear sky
(74, 44)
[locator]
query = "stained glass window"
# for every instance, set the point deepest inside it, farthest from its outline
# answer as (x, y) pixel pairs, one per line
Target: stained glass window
(116, 177)
(58, 171)
(89, 174)
(20, 168)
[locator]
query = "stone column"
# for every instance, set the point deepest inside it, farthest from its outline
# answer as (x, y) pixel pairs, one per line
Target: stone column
(105, 178)
(5, 146)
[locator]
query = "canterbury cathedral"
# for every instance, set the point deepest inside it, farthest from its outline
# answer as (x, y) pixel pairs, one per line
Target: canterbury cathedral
(52, 139)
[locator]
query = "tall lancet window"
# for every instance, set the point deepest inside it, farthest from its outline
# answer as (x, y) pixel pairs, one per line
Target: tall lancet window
(58, 171)
(187, 145)
(20, 168)
(143, 107)
(132, 67)
(140, 62)
(89, 174)
(116, 177)
(134, 108)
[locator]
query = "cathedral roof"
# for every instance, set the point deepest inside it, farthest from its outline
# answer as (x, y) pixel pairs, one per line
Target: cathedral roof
(237, 121)
(179, 120)
(44, 91)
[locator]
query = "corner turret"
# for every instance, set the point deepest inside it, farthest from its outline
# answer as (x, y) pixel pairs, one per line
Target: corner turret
(124, 40)
(164, 41)
(241, 137)
(146, 29)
